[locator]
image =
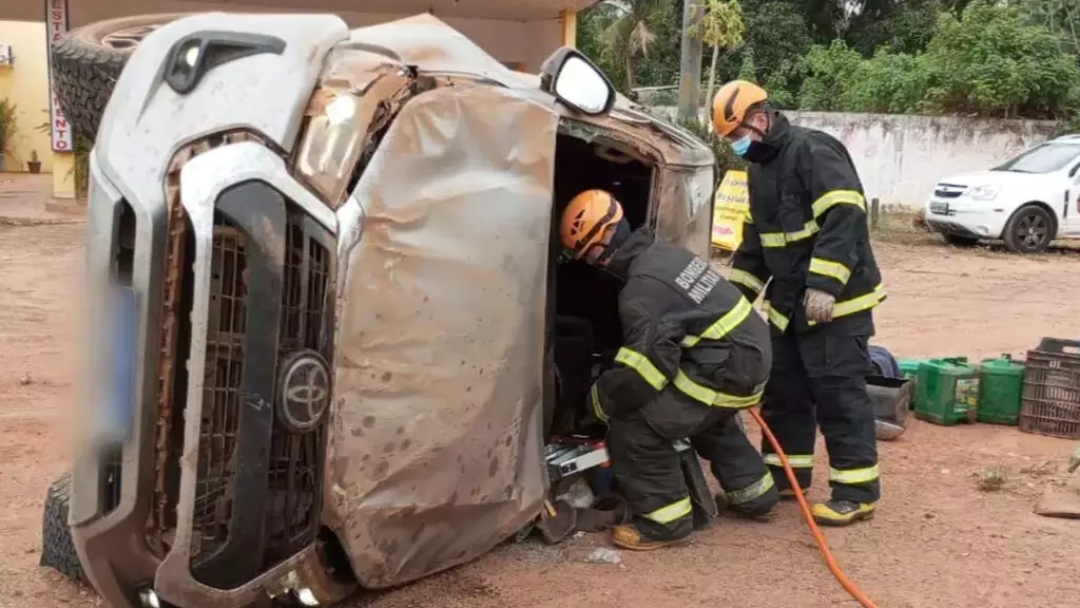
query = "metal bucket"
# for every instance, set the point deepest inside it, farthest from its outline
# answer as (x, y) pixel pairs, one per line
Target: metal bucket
(890, 398)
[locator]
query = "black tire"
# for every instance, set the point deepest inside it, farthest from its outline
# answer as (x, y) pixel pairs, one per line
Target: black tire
(58, 550)
(1030, 230)
(960, 241)
(86, 62)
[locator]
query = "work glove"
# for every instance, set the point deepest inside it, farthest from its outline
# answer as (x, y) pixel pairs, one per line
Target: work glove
(1074, 462)
(819, 306)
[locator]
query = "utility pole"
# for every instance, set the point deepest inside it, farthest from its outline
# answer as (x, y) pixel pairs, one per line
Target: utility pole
(690, 62)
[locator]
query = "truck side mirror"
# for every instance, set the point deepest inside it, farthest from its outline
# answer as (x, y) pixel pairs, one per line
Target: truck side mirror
(577, 82)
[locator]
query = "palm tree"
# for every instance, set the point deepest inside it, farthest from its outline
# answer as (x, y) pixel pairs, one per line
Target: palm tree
(630, 32)
(721, 28)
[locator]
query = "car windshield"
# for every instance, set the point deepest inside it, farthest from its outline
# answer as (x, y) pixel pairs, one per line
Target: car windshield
(1043, 158)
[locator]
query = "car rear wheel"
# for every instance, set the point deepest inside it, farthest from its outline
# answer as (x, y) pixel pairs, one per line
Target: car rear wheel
(87, 61)
(1029, 230)
(960, 241)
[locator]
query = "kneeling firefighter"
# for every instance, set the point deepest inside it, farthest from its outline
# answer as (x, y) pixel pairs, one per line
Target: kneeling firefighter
(693, 355)
(807, 232)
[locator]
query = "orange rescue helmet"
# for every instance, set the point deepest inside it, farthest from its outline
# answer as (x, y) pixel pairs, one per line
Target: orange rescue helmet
(731, 103)
(586, 219)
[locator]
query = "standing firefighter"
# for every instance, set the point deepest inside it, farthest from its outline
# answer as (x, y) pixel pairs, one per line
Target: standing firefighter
(807, 231)
(693, 354)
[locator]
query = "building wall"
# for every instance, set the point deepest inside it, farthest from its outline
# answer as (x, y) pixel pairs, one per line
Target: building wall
(26, 84)
(900, 158)
(527, 44)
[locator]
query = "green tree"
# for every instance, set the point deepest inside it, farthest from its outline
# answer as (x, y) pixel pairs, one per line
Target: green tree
(661, 67)
(993, 62)
(722, 29)
(591, 24)
(841, 80)
(832, 70)
(889, 83)
(900, 26)
(656, 65)
(1060, 17)
(748, 69)
(778, 37)
(628, 33)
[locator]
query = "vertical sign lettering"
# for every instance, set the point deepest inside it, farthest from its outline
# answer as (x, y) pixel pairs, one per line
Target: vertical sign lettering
(56, 24)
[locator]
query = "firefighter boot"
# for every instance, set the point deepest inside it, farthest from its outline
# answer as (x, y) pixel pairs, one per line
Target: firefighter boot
(629, 537)
(842, 512)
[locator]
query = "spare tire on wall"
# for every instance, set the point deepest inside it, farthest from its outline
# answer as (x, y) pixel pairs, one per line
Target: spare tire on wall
(86, 62)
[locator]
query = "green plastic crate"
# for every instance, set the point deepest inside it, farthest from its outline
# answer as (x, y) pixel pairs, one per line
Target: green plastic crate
(947, 391)
(1001, 385)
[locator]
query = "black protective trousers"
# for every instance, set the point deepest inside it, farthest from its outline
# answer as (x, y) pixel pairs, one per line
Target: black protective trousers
(819, 379)
(648, 473)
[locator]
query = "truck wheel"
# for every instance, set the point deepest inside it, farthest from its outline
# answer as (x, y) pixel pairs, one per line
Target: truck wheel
(960, 241)
(58, 550)
(1029, 230)
(87, 61)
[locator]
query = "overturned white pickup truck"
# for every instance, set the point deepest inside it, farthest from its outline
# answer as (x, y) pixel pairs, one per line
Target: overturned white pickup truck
(338, 339)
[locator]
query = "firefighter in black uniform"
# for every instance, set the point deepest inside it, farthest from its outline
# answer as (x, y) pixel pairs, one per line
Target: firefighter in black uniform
(807, 232)
(694, 353)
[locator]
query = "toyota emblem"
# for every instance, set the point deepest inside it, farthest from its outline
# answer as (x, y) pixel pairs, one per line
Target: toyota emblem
(303, 391)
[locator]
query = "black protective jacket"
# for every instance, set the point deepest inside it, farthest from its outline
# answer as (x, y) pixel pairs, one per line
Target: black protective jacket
(686, 330)
(807, 229)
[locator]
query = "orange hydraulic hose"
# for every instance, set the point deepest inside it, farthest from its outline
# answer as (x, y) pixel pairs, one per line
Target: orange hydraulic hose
(848, 586)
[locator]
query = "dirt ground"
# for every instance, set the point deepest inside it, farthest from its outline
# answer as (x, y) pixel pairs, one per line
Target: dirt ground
(938, 539)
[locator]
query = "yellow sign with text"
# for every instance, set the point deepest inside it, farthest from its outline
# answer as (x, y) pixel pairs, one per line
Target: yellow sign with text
(731, 205)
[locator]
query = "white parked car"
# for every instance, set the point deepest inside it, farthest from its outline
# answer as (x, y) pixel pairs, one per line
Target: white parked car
(1027, 201)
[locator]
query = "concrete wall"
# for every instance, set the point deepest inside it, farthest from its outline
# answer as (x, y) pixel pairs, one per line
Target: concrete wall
(524, 43)
(25, 83)
(900, 158)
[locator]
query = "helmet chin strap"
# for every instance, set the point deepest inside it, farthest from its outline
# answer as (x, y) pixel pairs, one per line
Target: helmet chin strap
(622, 232)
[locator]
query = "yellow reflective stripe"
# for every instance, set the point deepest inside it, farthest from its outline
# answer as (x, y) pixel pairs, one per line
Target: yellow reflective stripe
(772, 239)
(641, 364)
(746, 279)
(831, 269)
(597, 410)
(754, 490)
(861, 303)
(711, 397)
(672, 512)
(864, 475)
(838, 197)
(810, 229)
(797, 461)
(781, 239)
(723, 325)
(775, 317)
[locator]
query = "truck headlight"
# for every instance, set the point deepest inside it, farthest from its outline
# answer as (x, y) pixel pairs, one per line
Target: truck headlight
(341, 110)
(332, 144)
(149, 599)
(984, 193)
(307, 598)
